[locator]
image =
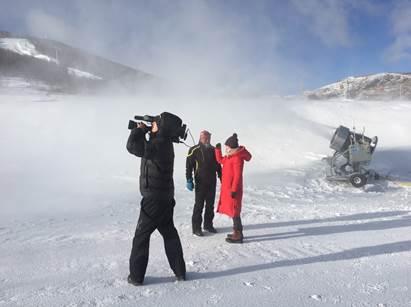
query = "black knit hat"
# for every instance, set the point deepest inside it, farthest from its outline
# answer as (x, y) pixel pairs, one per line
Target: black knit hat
(232, 141)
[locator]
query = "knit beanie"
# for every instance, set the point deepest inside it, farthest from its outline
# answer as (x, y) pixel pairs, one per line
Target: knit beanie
(232, 141)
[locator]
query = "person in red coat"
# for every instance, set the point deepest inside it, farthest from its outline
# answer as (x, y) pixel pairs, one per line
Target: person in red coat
(232, 184)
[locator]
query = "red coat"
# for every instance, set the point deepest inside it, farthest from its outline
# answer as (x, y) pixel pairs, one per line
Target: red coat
(232, 181)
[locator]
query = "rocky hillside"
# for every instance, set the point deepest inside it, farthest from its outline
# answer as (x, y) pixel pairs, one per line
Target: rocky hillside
(383, 86)
(60, 67)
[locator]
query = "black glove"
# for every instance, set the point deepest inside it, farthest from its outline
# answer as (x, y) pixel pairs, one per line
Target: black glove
(218, 146)
(233, 194)
(144, 127)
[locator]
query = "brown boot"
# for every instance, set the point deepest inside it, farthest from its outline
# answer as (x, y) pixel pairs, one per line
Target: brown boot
(232, 234)
(236, 237)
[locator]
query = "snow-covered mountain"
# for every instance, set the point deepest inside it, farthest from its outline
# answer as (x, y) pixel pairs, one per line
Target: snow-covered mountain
(59, 67)
(381, 86)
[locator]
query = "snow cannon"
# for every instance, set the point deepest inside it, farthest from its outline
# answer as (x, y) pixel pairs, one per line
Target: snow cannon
(352, 156)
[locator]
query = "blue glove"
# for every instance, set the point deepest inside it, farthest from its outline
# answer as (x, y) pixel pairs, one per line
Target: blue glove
(190, 185)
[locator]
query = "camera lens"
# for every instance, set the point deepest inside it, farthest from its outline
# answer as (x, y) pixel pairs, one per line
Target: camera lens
(132, 124)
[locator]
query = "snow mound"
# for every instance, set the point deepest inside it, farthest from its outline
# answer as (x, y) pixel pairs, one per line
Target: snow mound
(24, 47)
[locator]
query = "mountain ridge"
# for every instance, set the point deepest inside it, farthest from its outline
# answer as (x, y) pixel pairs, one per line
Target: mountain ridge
(381, 86)
(65, 68)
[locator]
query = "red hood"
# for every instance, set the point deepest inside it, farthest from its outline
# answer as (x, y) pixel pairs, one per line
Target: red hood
(243, 153)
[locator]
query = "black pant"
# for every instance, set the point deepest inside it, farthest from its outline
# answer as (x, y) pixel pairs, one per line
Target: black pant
(203, 194)
(237, 225)
(156, 214)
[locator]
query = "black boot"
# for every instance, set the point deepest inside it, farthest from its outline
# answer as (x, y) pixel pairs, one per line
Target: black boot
(210, 228)
(198, 232)
(134, 282)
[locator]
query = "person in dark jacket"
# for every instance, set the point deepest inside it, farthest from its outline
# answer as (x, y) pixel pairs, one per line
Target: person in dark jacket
(202, 162)
(157, 204)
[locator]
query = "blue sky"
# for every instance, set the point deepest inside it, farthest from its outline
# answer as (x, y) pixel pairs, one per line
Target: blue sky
(261, 45)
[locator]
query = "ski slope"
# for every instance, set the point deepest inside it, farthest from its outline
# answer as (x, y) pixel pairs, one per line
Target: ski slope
(70, 203)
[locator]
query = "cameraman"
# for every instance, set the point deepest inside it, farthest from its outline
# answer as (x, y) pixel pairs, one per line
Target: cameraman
(157, 204)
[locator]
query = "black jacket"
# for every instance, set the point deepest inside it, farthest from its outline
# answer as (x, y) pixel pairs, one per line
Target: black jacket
(201, 160)
(157, 163)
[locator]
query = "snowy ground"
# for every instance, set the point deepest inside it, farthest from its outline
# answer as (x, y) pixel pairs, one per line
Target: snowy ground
(69, 202)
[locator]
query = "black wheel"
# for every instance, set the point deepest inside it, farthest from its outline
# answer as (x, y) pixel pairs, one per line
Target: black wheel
(358, 180)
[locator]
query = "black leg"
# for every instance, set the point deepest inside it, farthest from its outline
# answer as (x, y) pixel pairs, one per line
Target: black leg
(209, 208)
(140, 250)
(172, 245)
(198, 209)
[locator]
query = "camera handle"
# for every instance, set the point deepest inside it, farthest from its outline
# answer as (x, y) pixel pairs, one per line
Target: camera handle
(145, 118)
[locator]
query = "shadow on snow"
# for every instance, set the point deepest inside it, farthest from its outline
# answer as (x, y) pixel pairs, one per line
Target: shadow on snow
(402, 220)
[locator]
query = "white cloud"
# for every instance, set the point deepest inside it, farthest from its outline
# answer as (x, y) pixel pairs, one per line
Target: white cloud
(370, 7)
(206, 43)
(44, 25)
(326, 19)
(193, 43)
(400, 49)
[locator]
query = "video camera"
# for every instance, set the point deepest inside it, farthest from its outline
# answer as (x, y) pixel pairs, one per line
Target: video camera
(169, 125)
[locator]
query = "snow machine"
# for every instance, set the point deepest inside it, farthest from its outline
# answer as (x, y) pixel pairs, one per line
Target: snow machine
(353, 154)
